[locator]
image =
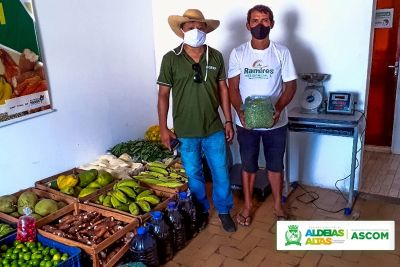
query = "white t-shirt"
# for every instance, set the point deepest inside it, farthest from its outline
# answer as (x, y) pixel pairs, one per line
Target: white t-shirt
(262, 72)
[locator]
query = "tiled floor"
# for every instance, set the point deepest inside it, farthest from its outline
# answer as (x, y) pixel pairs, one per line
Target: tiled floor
(381, 174)
(256, 245)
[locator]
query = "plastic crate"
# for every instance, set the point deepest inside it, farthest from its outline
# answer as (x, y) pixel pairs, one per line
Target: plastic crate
(73, 252)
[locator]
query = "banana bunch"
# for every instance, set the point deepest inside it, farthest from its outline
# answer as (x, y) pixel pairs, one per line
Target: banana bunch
(160, 174)
(5, 90)
(128, 196)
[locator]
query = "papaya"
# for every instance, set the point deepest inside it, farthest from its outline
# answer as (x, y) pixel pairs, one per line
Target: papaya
(86, 177)
(64, 181)
(87, 191)
(104, 178)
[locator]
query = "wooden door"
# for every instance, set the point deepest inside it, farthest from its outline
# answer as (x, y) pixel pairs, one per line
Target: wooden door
(383, 81)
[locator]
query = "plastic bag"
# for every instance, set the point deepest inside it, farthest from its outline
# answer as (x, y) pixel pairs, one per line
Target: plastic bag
(258, 112)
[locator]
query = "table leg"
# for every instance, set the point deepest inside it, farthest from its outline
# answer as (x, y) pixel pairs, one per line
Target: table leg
(349, 207)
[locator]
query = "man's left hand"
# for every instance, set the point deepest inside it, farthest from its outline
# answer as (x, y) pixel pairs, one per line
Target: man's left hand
(229, 132)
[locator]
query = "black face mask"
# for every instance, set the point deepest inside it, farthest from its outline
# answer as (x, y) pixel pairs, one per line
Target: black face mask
(260, 31)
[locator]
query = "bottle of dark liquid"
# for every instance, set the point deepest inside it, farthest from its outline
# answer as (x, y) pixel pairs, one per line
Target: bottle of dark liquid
(163, 234)
(176, 221)
(143, 248)
(185, 205)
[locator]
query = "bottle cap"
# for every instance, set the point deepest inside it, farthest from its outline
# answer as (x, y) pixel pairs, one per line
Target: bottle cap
(141, 230)
(156, 215)
(171, 205)
(182, 195)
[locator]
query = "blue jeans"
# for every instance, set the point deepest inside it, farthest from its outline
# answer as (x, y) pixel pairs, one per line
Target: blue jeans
(214, 149)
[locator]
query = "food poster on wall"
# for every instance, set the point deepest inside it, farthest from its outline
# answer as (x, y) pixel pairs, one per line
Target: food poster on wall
(24, 91)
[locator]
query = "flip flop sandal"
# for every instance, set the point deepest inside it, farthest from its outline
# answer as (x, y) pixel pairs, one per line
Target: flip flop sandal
(243, 220)
(281, 217)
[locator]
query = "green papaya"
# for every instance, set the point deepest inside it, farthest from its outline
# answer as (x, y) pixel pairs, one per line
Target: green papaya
(86, 177)
(69, 190)
(94, 184)
(87, 191)
(104, 178)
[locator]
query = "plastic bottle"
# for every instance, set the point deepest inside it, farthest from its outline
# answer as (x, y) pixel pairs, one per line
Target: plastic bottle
(185, 205)
(143, 248)
(26, 227)
(162, 232)
(176, 221)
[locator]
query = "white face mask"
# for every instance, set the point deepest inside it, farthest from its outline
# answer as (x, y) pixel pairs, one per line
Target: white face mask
(194, 38)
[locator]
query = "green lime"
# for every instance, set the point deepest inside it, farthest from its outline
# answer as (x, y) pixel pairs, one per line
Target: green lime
(8, 255)
(35, 262)
(14, 264)
(45, 251)
(4, 261)
(56, 263)
(16, 250)
(3, 247)
(53, 251)
(56, 257)
(47, 258)
(42, 263)
(20, 246)
(64, 257)
(48, 264)
(27, 256)
(16, 242)
(14, 256)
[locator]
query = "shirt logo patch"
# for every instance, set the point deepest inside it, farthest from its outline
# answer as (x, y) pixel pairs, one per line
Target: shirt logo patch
(211, 67)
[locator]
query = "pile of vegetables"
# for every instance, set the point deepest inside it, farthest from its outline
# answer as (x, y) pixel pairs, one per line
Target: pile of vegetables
(258, 112)
(82, 184)
(89, 228)
(141, 150)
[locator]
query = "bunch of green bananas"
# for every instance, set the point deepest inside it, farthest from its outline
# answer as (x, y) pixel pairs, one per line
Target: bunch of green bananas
(159, 174)
(128, 196)
(5, 90)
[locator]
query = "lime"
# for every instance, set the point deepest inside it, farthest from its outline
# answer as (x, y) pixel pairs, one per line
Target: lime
(42, 263)
(27, 256)
(8, 255)
(35, 262)
(46, 251)
(20, 246)
(56, 257)
(53, 251)
(16, 242)
(16, 250)
(64, 257)
(14, 256)
(47, 258)
(48, 264)
(3, 247)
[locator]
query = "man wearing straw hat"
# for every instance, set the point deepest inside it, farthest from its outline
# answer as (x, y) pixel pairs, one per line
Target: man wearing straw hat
(195, 74)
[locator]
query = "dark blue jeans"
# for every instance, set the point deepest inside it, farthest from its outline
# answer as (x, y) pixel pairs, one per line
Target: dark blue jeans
(214, 149)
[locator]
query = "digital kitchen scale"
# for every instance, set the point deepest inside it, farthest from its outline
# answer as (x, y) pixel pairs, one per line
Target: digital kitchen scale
(340, 103)
(312, 98)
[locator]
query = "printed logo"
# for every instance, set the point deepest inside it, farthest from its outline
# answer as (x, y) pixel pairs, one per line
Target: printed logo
(293, 235)
(211, 67)
(258, 71)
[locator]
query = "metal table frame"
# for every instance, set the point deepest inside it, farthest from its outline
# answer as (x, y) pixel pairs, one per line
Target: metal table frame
(329, 124)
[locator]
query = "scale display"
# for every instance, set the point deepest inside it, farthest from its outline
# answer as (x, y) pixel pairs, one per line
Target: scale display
(340, 102)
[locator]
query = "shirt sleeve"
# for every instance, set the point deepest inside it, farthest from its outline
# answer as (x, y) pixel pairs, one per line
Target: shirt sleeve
(234, 64)
(165, 77)
(288, 69)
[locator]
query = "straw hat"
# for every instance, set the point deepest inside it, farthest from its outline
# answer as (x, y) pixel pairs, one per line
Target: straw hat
(176, 21)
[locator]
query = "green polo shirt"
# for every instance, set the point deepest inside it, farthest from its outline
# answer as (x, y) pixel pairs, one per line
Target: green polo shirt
(194, 105)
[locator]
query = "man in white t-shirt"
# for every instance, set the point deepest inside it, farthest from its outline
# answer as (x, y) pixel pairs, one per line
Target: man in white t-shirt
(261, 67)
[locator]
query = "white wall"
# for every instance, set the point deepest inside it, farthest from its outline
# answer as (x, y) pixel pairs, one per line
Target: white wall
(324, 36)
(100, 62)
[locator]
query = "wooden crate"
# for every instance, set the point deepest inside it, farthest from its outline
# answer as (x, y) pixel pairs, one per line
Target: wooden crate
(142, 218)
(44, 184)
(40, 194)
(94, 250)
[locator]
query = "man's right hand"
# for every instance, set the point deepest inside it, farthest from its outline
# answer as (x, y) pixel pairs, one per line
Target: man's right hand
(166, 136)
